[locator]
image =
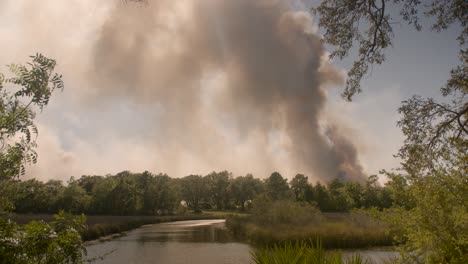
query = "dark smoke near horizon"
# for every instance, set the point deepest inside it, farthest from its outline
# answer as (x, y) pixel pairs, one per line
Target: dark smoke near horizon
(264, 61)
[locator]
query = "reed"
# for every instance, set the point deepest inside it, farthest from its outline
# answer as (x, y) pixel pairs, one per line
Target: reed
(302, 253)
(336, 231)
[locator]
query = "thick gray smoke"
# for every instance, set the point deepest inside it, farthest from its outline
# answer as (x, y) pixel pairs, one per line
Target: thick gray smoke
(262, 60)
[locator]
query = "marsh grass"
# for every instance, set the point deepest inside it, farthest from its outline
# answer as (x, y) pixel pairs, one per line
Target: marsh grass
(302, 253)
(337, 230)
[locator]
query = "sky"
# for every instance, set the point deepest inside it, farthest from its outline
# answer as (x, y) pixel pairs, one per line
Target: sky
(156, 87)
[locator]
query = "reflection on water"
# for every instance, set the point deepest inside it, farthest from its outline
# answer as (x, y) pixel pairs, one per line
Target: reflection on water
(186, 231)
(201, 241)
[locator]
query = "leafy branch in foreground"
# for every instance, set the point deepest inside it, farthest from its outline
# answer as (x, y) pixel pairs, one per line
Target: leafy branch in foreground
(31, 85)
(36, 242)
(368, 25)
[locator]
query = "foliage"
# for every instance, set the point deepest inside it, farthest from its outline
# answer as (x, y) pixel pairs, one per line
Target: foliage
(128, 193)
(435, 228)
(277, 187)
(432, 210)
(31, 85)
(429, 192)
(368, 25)
(193, 189)
(300, 186)
(218, 184)
(36, 242)
(40, 242)
(245, 188)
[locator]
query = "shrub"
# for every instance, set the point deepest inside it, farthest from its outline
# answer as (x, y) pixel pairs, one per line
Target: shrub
(39, 242)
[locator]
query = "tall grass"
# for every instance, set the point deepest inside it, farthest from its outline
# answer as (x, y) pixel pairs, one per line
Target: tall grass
(285, 222)
(346, 234)
(302, 253)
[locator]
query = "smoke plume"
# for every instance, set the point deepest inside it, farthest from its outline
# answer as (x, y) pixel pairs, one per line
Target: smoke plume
(249, 70)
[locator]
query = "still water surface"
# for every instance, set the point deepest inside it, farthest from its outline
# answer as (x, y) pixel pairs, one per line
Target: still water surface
(200, 241)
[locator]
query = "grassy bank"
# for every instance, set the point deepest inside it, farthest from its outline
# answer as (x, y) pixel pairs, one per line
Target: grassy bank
(103, 225)
(288, 223)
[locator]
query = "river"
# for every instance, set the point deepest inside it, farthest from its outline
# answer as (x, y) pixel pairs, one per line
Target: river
(200, 241)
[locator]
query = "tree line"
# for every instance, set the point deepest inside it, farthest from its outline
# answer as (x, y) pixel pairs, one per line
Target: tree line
(128, 193)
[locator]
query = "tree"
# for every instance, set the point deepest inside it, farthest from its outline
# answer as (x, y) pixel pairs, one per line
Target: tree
(218, 184)
(30, 86)
(32, 196)
(37, 242)
(355, 191)
(245, 188)
(277, 187)
(431, 128)
(340, 200)
(299, 185)
(368, 24)
(89, 182)
(322, 197)
(100, 201)
(168, 197)
(125, 198)
(74, 198)
(434, 157)
(193, 190)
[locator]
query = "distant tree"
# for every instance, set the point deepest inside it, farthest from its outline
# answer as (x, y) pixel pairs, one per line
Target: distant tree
(218, 184)
(277, 187)
(193, 191)
(370, 193)
(166, 195)
(355, 192)
(74, 198)
(89, 182)
(55, 190)
(322, 197)
(101, 197)
(299, 185)
(309, 194)
(32, 196)
(125, 198)
(245, 188)
(146, 183)
(340, 200)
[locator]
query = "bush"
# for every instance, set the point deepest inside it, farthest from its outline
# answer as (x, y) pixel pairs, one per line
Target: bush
(39, 242)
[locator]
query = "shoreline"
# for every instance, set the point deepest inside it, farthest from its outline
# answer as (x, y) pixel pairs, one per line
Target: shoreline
(105, 229)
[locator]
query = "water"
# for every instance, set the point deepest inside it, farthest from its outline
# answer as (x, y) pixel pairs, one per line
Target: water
(376, 256)
(200, 241)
